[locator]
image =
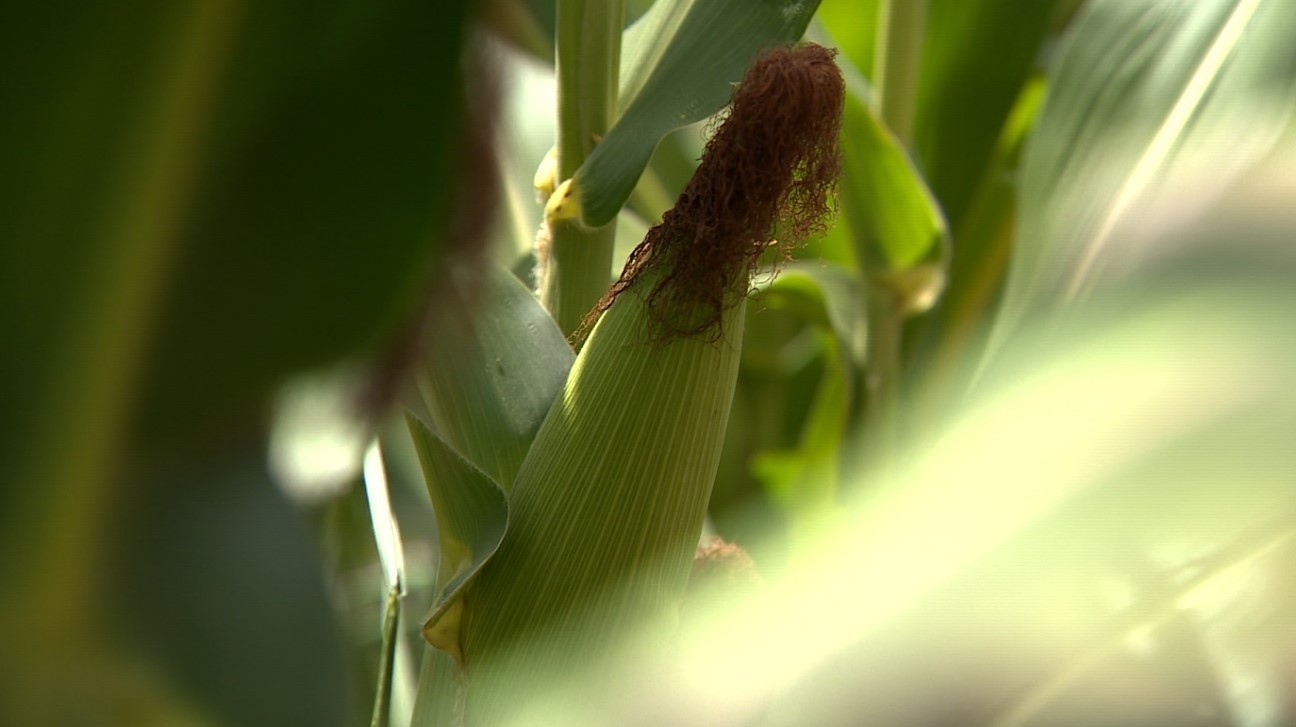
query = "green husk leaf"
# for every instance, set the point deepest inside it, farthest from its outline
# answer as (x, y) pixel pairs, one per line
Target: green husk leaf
(488, 381)
(472, 517)
(680, 61)
(439, 698)
(607, 508)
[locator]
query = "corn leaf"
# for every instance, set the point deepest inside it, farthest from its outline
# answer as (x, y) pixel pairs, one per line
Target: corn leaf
(488, 381)
(976, 57)
(1152, 103)
(438, 701)
(853, 26)
(202, 199)
(680, 61)
(607, 509)
(900, 232)
(827, 295)
(1050, 570)
(472, 516)
(804, 480)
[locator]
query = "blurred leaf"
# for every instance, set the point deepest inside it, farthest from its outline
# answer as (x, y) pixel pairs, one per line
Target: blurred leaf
(488, 379)
(956, 330)
(204, 198)
(327, 174)
(976, 57)
(391, 558)
(827, 295)
(900, 231)
(472, 517)
(1119, 487)
(853, 26)
(1155, 109)
(209, 563)
(885, 197)
(804, 480)
(387, 658)
(679, 64)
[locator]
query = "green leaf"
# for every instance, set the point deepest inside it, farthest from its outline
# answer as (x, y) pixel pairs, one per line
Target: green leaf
(853, 26)
(680, 61)
(202, 199)
(438, 699)
(976, 57)
(488, 379)
(828, 295)
(900, 231)
(1110, 514)
(387, 658)
(956, 330)
(1152, 104)
(472, 517)
(804, 480)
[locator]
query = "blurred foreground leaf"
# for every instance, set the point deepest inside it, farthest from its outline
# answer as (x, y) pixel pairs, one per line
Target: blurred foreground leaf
(1102, 536)
(204, 198)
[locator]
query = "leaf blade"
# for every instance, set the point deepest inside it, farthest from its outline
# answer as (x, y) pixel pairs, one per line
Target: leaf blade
(706, 48)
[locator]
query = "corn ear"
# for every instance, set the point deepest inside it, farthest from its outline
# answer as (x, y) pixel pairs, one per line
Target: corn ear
(608, 507)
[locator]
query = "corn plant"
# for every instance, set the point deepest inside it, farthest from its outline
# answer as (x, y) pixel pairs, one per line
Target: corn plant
(671, 362)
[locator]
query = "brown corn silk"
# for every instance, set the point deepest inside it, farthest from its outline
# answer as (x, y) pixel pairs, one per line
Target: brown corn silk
(773, 159)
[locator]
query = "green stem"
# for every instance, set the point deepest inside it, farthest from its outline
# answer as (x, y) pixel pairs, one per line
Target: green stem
(387, 663)
(578, 267)
(882, 381)
(901, 24)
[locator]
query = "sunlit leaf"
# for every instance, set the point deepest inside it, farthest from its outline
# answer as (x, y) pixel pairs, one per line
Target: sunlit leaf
(1103, 532)
(853, 26)
(1155, 109)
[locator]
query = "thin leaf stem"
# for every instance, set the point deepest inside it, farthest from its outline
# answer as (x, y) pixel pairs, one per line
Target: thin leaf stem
(882, 380)
(578, 266)
(901, 25)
